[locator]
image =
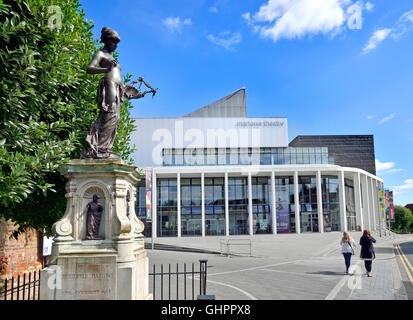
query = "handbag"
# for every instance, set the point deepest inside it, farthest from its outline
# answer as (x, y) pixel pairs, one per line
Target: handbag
(349, 243)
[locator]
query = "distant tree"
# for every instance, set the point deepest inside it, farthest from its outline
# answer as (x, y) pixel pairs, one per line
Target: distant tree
(47, 106)
(403, 219)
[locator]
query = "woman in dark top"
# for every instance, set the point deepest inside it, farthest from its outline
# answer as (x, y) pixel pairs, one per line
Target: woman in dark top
(367, 250)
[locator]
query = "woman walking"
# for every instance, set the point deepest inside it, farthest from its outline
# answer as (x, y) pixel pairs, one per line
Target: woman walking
(367, 250)
(347, 249)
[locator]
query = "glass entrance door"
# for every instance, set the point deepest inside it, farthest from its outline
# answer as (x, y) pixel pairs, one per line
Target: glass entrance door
(309, 222)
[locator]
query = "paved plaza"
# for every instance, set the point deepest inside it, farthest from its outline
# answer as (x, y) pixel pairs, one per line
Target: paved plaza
(291, 267)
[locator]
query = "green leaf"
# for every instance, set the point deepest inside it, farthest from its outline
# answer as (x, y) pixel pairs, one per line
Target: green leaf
(47, 105)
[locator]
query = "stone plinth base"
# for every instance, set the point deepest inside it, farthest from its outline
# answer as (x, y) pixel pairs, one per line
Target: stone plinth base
(114, 268)
(96, 277)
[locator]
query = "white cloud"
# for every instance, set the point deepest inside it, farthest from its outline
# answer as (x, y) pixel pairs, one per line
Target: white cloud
(247, 17)
(369, 117)
(176, 24)
(403, 25)
(213, 9)
(298, 18)
(386, 167)
(407, 185)
(369, 6)
(377, 37)
(387, 118)
(382, 166)
(394, 170)
(225, 39)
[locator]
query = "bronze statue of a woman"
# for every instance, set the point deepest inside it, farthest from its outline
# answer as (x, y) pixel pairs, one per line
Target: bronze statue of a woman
(93, 218)
(110, 95)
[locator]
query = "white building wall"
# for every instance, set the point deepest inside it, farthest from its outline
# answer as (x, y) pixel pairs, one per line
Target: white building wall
(297, 204)
(273, 204)
(320, 203)
(342, 193)
(154, 134)
(366, 197)
(358, 200)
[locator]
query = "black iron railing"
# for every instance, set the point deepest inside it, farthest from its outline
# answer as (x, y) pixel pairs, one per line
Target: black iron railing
(26, 287)
(183, 283)
(178, 284)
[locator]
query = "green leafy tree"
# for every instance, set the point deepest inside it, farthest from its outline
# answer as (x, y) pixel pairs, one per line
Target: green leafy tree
(403, 219)
(47, 106)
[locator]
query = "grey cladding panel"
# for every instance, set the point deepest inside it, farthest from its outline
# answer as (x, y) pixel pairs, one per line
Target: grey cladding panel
(230, 106)
(355, 151)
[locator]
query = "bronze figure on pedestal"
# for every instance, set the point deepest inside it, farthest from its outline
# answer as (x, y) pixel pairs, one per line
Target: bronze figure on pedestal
(93, 219)
(110, 94)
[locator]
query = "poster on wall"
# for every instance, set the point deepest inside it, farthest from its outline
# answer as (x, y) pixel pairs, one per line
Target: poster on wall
(148, 181)
(47, 246)
(283, 212)
(388, 204)
(381, 205)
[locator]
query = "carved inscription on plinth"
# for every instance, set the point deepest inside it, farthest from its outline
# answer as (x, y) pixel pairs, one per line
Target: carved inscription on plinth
(87, 278)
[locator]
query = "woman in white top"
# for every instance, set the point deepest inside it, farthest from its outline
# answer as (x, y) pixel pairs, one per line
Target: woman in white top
(347, 249)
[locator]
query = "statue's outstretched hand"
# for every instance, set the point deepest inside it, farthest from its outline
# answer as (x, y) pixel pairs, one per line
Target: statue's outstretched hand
(132, 93)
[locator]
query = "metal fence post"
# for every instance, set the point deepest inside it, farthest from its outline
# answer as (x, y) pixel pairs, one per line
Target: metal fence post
(24, 286)
(169, 273)
(5, 289)
(203, 276)
(30, 282)
(12, 288)
(38, 291)
(18, 287)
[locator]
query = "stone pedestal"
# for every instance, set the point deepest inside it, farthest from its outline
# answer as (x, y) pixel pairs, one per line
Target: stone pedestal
(114, 267)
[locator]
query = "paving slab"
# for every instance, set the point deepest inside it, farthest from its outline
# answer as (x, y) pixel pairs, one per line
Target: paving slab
(291, 267)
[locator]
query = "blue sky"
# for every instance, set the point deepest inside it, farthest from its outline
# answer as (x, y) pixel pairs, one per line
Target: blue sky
(330, 66)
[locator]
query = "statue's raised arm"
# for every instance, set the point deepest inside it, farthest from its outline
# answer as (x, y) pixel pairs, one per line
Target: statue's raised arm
(110, 95)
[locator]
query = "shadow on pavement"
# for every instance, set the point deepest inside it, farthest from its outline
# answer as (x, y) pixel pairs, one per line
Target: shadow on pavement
(384, 250)
(328, 273)
(407, 248)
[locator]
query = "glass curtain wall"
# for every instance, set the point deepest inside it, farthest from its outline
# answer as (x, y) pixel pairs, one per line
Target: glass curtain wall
(331, 203)
(167, 208)
(246, 156)
(140, 208)
(191, 218)
(284, 195)
(214, 206)
(261, 205)
(238, 206)
(350, 205)
(307, 188)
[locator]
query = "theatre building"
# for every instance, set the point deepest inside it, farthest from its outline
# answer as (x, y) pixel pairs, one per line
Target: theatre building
(217, 172)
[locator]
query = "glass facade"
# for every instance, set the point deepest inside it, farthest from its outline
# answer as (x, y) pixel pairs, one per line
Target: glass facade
(191, 218)
(331, 203)
(284, 191)
(238, 206)
(307, 188)
(350, 205)
(214, 206)
(140, 208)
(167, 208)
(246, 156)
(261, 205)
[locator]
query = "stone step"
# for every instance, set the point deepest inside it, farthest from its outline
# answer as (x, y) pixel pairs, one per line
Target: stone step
(167, 247)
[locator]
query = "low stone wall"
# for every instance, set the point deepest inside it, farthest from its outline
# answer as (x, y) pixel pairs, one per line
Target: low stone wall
(21, 255)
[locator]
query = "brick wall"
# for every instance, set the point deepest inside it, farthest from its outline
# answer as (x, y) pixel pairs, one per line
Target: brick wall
(21, 255)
